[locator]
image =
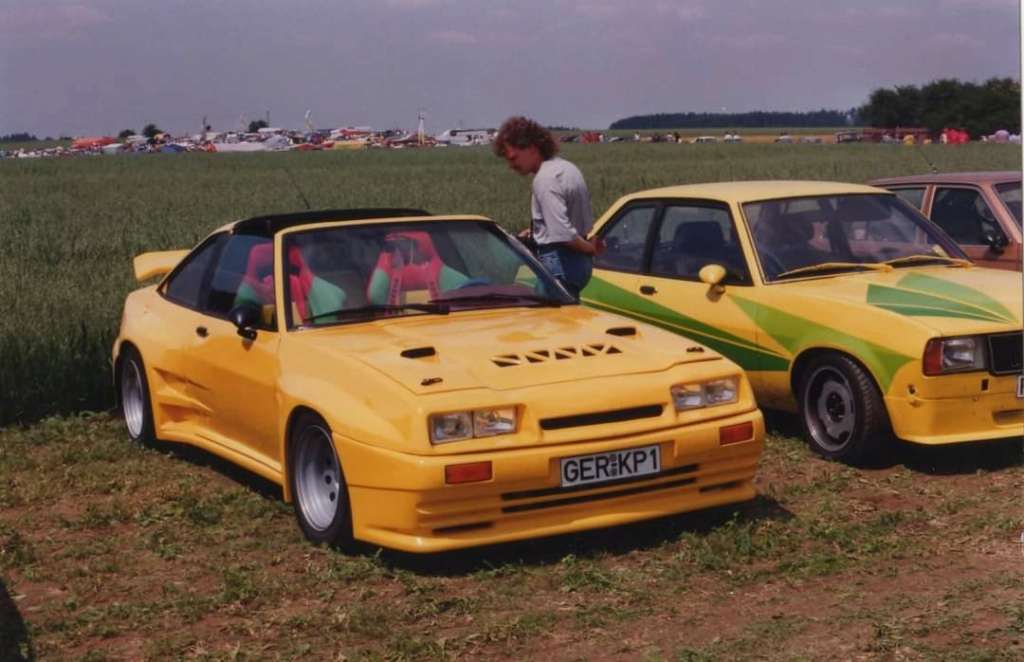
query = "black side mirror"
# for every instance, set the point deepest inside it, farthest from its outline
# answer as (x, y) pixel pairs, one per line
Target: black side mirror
(996, 239)
(246, 318)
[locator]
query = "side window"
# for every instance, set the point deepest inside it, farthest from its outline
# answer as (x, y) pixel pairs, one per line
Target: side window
(625, 239)
(185, 285)
(244, 274)
(692, 237)
(914, 196)
(961, 212)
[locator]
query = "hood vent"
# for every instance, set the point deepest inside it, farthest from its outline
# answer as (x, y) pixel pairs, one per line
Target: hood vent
(557, 354)
(418, 352)
(622, 331)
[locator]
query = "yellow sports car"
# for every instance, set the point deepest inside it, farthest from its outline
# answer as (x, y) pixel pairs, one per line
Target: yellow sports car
(421, 383)
(841, 301)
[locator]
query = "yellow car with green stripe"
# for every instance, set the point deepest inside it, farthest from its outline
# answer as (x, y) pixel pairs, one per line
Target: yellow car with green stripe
(842, 302)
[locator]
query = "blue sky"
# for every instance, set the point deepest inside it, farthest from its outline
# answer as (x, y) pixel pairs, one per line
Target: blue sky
(99, 66)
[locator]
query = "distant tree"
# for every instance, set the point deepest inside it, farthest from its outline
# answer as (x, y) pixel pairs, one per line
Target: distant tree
(125, 133)
(151, 130)
(752, 120)
(256, 125)
(948, 103)
(18, 138)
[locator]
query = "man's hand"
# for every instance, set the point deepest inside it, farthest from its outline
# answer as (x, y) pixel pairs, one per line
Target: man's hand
(592, 246)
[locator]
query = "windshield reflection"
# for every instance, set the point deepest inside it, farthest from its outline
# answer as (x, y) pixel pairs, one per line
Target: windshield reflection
(351, 273)
(842, 233)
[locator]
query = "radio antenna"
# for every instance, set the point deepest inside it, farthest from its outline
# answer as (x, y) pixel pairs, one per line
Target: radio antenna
(302, 195)
(931, 165)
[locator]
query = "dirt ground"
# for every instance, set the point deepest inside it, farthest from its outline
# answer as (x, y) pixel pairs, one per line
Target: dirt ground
(113, 553)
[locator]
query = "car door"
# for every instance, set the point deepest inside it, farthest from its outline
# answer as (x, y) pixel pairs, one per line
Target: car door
(233, 378)
(967, 217)
(664, 287)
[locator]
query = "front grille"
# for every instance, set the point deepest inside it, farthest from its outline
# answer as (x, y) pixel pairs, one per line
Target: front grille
(583, 498)
(1004, 351)
(597, 418)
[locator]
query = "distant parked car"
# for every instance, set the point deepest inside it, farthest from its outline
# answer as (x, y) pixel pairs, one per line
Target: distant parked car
(422, 383)
(703, 139)
(843, 303)
(981, 211)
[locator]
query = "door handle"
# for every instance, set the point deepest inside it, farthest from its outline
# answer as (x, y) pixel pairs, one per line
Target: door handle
(202, 331)
(648, 289)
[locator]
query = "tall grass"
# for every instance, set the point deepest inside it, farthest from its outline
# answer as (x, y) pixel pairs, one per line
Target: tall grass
(69, 227)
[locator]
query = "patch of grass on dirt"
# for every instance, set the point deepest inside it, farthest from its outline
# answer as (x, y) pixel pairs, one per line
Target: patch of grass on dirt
(110, 551)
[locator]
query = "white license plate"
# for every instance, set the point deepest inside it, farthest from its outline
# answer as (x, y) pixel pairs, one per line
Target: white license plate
(613, 465)
(1020, 386)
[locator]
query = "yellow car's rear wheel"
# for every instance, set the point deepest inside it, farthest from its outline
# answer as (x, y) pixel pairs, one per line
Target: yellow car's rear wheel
(134, 393)
(318, 486)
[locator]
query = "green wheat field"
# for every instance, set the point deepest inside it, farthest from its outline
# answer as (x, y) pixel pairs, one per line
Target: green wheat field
(69, 227)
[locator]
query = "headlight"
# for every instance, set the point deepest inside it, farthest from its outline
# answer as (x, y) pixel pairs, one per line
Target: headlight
(461, 425)
(942, 355)
(705, 394)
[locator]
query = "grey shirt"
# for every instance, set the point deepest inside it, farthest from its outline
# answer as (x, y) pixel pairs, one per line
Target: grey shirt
(560, 204)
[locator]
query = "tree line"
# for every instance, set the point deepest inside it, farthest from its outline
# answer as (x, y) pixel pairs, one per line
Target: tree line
(751, 120)
(980, 109)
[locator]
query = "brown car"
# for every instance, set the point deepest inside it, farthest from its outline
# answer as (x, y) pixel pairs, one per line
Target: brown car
(981, 211)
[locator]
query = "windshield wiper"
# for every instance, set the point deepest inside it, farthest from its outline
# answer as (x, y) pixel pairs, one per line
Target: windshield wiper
(504, 296)
(833, 266)
(916, 259)
(369, 309)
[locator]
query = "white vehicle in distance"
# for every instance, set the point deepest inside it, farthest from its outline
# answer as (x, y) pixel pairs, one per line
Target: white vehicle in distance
(464, 137)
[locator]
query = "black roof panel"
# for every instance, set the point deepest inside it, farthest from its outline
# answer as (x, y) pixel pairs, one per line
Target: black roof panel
(269, 225)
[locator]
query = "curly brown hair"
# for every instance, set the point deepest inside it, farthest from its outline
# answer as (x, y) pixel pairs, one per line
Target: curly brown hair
(520, 132)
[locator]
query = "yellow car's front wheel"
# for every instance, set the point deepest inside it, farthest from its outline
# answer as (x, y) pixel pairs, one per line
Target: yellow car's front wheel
(318, 486)
(841, 410)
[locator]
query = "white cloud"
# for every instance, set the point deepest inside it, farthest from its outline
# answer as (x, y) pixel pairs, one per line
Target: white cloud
(959, 40)
(414, 4)
(637, 10)
(453, 37)
(27, 23)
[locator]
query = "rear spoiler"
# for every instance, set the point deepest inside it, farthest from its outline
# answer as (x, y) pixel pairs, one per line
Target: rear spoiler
(157, 263)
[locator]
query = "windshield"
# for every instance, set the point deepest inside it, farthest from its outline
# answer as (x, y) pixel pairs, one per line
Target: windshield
(1009, 192)
(354, 272)
(842, 233)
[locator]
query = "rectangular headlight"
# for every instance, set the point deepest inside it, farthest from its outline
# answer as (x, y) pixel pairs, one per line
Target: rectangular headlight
(944, 355)
(462, 425)
(705, 394)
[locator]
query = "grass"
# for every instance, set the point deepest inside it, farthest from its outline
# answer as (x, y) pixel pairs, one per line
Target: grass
(69, 227)
(110, 551)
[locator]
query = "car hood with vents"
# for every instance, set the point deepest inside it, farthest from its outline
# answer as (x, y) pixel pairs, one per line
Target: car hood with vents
(500, 349)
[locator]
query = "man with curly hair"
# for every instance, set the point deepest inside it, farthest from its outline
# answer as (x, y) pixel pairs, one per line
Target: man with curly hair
(560, 215)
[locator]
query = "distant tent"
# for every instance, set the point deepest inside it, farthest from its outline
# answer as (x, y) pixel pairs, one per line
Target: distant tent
(94, 141)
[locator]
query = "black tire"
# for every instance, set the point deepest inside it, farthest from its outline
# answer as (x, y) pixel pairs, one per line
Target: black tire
(136, 404)
(841, 410)
(317, 483)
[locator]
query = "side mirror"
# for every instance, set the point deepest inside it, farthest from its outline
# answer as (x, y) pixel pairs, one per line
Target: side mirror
(246, 318)
(996, 239)
(713, 275)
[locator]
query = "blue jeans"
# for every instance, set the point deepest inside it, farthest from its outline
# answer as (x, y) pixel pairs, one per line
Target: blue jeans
(572, 268)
